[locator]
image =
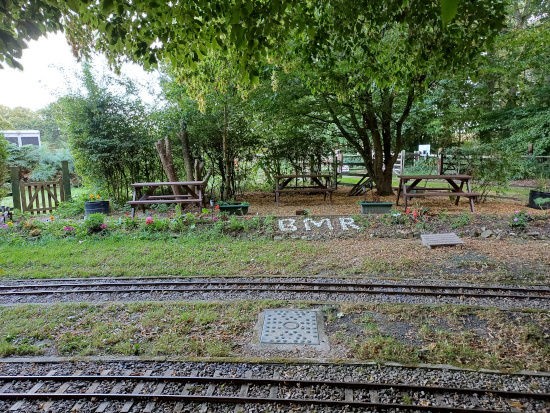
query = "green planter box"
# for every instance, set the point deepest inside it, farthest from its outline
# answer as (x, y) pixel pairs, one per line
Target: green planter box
(234, 209)
(375, 207)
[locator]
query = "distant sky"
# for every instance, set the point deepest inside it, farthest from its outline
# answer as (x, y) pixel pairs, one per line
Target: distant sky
(48, 73)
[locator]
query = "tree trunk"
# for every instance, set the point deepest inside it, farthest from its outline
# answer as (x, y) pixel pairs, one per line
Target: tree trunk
(227, 162)
(379, 151)
(187, 158)
(165, 153)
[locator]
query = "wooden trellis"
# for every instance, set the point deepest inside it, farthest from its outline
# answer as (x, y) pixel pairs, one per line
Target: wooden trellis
(41, 197)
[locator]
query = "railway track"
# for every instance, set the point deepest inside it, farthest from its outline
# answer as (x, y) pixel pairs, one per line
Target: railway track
(149, 393)
(314, 288)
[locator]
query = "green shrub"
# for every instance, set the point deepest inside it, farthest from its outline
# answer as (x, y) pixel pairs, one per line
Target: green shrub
(461, 220)
(3, 166)
(72, 208)
(490, 167)
(94, 223)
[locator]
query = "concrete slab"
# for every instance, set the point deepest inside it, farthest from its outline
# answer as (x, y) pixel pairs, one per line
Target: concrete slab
(309, 324)
(290, 326)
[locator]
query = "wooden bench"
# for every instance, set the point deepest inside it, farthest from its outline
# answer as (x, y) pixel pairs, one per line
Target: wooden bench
(455, 188)
(464, 194)
(282, 181)
(194, 189)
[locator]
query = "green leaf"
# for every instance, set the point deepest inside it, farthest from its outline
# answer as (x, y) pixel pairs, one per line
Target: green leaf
(449, 8)
(107, 6)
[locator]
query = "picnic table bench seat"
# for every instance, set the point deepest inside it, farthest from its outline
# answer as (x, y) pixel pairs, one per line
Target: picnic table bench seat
(194, 195)
(163, 201)
(282, 181)
(456, 188)
(306, 189)
(464, 194)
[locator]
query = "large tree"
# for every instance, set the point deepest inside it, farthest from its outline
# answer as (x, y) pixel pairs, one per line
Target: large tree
(367, 72)
(212, 116)
(152, 31)
(376, 57)
(510, 96)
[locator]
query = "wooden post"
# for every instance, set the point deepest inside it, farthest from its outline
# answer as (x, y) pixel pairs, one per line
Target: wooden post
(66, 178)
(16, 194)
(530, 149)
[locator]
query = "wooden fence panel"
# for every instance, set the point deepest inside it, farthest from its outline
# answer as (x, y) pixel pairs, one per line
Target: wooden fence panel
(33, 196)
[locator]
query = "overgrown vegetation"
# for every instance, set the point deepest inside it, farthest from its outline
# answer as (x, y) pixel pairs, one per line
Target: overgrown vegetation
(111, 135)
(146, 329)
(451, 334)
(3, 166)
(39, 163)
(386, 332)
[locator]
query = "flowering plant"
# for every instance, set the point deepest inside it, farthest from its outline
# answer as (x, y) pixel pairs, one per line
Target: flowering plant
(520, 219)
(95, 197)
(417, 213)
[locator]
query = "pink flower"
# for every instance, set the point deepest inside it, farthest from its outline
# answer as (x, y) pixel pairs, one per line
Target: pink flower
(149, 220)
(70, 228)
(517, 212)
(515, 220)
(103, 226)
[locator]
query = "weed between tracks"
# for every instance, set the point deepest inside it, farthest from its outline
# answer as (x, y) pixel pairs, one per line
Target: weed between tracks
(463, 336)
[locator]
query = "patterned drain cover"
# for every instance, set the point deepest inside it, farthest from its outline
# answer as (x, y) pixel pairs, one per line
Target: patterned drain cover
(290, 327)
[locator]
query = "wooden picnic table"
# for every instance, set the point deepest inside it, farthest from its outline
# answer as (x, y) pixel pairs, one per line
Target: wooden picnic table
(194, 194)
(456, 187)
(320, 183)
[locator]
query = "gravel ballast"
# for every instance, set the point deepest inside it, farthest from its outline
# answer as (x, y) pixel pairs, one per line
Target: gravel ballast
(355, 373)
(148, 293)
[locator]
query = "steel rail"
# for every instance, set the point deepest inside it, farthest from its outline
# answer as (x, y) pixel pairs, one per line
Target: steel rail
(240, 400)
(276, 283)
(294, 288)
(283, 383)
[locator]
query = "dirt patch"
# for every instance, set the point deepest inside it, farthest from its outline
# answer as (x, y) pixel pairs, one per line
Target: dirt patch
(263, 203)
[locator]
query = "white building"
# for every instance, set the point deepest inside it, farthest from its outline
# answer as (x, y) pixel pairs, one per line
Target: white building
(22, 137)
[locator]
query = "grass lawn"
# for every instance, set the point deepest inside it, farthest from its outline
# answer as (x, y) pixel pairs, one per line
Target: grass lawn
(124, 256)
(119, 255)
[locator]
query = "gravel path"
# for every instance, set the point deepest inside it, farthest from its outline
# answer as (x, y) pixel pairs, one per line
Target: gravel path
(167, 295)
(356, 373)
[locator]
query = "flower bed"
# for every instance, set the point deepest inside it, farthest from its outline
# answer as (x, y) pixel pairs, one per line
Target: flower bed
(409, 224)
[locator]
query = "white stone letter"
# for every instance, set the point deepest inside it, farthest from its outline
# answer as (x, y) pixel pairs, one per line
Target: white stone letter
(346, 223)
(307, 221)
(287, 224)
